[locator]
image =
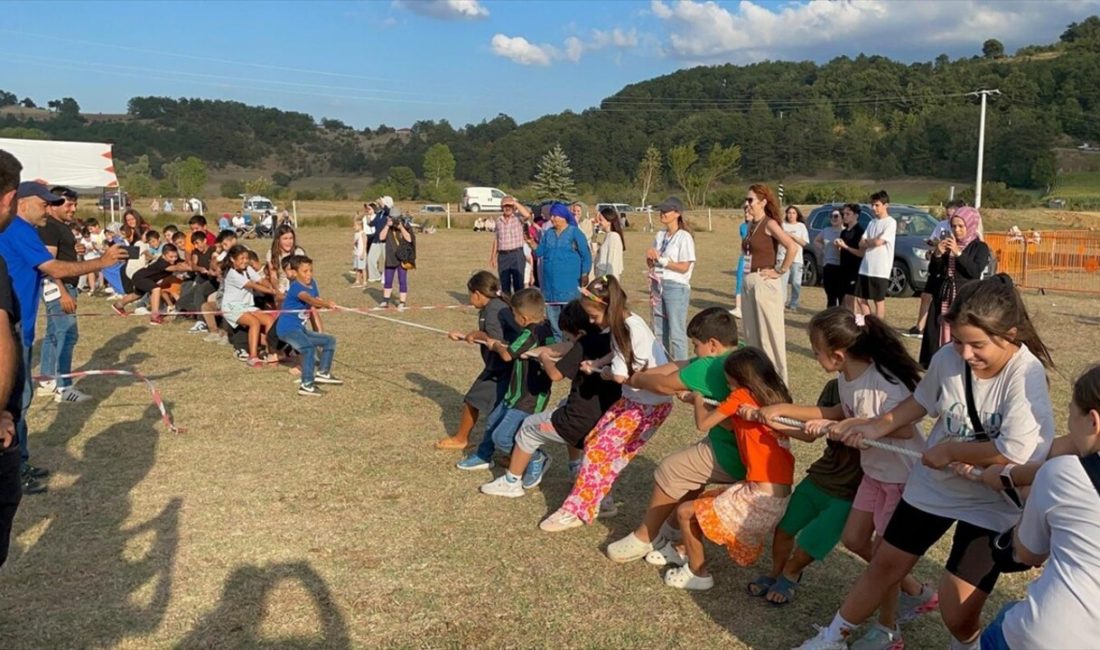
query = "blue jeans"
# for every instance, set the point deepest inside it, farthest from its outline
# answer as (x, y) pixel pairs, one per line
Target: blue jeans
(792, 285)
(553, 313)
(500, 431)
(993, 637)
(306, 342)
(670, 319)
(61, 337)
(25, 401)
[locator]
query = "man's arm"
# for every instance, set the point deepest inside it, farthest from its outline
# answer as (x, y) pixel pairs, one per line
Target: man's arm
(59, 269)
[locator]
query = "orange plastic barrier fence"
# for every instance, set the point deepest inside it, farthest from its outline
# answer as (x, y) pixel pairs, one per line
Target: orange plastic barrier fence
(1056, 260)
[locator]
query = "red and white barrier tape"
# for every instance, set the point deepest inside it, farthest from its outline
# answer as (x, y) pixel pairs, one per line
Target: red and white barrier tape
(153, 392)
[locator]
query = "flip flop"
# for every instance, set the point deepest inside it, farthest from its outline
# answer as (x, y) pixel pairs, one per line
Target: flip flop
(450, 443)
(759, 588)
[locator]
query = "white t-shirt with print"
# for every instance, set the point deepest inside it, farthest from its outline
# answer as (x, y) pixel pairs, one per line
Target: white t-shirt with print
(796, 229)
(1015, 411)
(680, 248)
(871, 395)
(877, 261)
(648, 354)
(1062, 518)
(234, 291)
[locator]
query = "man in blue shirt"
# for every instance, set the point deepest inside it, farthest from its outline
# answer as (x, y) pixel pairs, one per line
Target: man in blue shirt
(29, 263)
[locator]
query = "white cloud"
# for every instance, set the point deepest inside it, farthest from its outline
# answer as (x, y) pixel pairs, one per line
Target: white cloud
(614, 38)
(821, 29)
(445, 9)
(522, 51)
(574, 48)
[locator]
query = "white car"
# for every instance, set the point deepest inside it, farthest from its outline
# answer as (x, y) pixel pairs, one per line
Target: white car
(477, 199)
(258, 205)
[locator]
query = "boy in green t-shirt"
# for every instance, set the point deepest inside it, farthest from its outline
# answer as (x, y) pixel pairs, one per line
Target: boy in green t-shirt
(715, 459)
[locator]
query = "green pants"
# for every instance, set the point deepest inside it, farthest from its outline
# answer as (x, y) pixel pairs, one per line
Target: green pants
(816, 517)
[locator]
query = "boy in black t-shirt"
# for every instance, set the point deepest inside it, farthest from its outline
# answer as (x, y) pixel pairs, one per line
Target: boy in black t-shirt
(148, 281)
(570, 423)
(528, 387)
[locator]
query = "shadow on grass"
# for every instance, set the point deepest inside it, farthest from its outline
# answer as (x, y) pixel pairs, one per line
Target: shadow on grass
(445, 396)
(237, 620)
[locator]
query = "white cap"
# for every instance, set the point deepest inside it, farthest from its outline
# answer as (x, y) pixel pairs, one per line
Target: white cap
(387, 201)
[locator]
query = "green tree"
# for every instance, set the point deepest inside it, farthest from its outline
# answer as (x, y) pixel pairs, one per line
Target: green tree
(260, 185)
(339, 192)
(439, 164)
(681, 162)
(721, 163)
(27, 102)
(554, 178)
(187, 177)
(136, 177)
(282, 179)
(8, 99)
(403, 181)
(649, 171)
(232, 189)
(993, 49)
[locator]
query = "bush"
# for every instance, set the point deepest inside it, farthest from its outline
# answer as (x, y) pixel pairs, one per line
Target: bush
(998, 195)
(232, 189)
(825, 193)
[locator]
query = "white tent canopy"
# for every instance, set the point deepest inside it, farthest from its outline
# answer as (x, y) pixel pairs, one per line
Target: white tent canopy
(79, 165)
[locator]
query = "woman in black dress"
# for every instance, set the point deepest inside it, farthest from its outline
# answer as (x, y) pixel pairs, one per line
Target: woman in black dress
(957, 259)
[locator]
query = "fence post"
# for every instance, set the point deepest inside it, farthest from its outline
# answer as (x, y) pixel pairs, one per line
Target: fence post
(448, 216)
(1023, 279)
(710, 223)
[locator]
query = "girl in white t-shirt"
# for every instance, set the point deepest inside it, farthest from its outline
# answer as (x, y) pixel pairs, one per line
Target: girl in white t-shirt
(1060, 526)
(671, 261)
(631, 421)
(874, 374)
(239, 307)
(988, 394)
(794, 224)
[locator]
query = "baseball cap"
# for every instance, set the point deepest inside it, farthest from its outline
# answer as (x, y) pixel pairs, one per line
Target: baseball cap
(671, 204)
(34, 188)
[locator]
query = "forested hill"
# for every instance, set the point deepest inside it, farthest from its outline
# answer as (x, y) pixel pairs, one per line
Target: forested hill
(867, 116)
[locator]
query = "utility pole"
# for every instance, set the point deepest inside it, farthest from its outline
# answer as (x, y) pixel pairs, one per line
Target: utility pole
(981, 143)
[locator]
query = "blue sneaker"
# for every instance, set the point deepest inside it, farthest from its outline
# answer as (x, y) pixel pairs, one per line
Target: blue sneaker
(536, 469)
(472, 462)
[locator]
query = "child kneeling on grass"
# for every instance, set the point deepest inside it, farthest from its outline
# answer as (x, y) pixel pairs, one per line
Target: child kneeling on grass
(589, 398)
(528, 387)
(742, 516)
(291, 327)
(148, 282)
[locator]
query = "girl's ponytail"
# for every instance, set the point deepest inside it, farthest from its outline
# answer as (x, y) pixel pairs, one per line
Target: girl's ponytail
(607, 291)
(869, 339)
(994, 306)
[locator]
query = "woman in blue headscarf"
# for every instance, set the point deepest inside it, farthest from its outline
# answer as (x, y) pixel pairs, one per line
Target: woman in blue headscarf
(564, 256)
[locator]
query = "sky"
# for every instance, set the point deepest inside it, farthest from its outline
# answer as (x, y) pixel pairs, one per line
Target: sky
(396, 62)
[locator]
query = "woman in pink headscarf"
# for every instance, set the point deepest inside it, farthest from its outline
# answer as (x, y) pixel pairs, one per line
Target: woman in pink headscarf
(960, 257)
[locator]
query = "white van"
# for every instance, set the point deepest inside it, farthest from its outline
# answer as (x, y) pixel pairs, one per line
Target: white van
(476, 199)
(257, 205)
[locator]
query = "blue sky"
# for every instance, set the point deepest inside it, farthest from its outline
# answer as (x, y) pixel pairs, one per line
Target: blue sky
(399, 61)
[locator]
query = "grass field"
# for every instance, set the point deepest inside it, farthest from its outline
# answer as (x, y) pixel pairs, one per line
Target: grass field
(278, 521)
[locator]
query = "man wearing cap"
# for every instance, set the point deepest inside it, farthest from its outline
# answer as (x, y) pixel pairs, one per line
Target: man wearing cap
(60, 296)
(29, 263)
(11, 365)
(507, 254)
(376, 248)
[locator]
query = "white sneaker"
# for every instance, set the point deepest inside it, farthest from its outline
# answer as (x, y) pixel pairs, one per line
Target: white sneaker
(666, 555)
(683, 578)
(70, 394)
(559, 521)
(628, 549)
(212, 337)
(141, 311)
(46, 388)
(608, 509)
(879, 637)
(198, 328)
(822, 641)
(502, 487)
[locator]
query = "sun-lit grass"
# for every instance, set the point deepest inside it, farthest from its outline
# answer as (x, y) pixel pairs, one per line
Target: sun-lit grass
(283, 521)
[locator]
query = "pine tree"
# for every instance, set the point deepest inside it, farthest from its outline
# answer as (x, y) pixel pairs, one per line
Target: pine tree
(555, 177)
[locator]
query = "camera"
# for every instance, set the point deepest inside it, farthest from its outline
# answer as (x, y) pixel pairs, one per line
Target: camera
(400, 220)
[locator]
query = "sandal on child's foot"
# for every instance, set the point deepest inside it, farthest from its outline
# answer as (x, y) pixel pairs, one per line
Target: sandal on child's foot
(683, 578)
(782, 592)
(255, 363)
(759, 588)
(666, 555)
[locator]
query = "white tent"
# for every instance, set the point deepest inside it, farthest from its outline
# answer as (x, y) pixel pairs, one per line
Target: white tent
(79, 165)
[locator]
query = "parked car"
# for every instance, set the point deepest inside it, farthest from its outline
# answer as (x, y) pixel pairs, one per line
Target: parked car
(257, 205)
(911, 250)
(432, 208)
(120, 201)
(476, 199)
